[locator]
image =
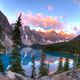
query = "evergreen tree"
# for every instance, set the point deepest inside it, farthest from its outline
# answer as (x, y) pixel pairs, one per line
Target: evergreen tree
(33, 67)
(43, 66)
(1, 66)
(16, 32)
(78, 62)
(60, 66)
(15, 61)
(15, 56)
(66, 65)
(78, 51)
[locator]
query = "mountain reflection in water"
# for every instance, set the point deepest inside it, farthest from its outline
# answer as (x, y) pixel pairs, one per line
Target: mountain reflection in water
(52, 58)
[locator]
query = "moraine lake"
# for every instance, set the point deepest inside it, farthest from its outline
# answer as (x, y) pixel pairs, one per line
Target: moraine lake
(52, 58)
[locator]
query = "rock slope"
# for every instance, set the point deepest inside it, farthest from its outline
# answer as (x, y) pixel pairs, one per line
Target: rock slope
(5, 24)
(68, 75)
(5, 39)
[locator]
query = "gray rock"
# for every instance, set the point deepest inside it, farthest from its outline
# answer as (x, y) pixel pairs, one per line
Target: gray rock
(5, 24)
(5, 39)
(45, 78)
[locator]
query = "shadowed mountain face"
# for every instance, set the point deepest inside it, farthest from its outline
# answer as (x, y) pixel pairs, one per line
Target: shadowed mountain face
(33, 35)
(5, 38)
(5, 24)
(76, 38)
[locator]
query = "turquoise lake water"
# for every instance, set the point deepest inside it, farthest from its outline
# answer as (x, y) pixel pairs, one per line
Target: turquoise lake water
(52, 58)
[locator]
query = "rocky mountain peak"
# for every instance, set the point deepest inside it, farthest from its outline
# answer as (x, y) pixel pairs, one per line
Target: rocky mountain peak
(7, 31)
(5, 24)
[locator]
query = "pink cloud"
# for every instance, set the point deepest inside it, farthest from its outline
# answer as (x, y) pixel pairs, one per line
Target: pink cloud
(39, 20)
(50, 8)
(77, 2)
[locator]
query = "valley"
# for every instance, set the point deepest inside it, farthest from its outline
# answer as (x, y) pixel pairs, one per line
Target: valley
(36, 44)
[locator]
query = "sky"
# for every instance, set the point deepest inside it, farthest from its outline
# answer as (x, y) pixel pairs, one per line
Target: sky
(60, 15)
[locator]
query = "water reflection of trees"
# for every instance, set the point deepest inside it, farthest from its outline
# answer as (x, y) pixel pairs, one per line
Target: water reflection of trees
(76, 61)
(43, 71)
(61, 67)
(66, 65)
(1, 66)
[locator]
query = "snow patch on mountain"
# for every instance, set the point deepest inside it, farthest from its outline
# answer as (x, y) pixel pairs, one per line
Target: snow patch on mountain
(49, 41)
(26, 41)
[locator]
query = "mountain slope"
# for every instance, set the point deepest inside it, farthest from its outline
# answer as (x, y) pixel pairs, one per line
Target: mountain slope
(5, 39)
(46, 37)
(29, 36)
(66, 35)
(72, 46)
(51, 35)
(5, 24)
(76, 38)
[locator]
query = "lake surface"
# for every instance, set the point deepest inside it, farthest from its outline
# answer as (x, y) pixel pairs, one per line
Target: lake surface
(52, 58)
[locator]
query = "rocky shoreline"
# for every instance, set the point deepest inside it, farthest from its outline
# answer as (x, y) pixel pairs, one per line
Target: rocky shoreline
(68, 75)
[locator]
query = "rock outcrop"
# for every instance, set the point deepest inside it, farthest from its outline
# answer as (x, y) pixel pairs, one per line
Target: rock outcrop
(68, 75)
(5, 39)
(5, 24)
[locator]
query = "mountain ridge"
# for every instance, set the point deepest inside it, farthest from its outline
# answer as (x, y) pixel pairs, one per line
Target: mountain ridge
(76, 38)
(29, 36)
(49, 36)
(5, 39)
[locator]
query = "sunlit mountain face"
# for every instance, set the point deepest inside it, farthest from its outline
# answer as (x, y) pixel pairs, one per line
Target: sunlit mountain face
(67, 35)
(48, 35)
(61, 33)
(51, 16)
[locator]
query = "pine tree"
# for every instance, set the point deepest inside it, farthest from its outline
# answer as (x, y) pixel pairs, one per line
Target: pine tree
(78, 62)
(1, 66)
(78, 51)
(66, 65)
(15, 56)
(60, 66)
(15, 61)
(16, 32)
(33, 67)
(43, 66)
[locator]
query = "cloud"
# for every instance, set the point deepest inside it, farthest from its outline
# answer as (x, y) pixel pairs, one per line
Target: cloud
(76, 29)
(62, 16)
(40, 20)
(50, 8)
(77, 2)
